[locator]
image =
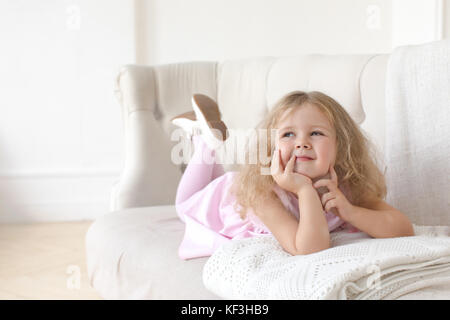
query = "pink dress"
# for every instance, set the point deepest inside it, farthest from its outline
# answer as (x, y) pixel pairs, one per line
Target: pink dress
(210, 219)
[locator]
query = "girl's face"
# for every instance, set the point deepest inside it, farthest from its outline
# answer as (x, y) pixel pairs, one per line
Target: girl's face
(307, 133)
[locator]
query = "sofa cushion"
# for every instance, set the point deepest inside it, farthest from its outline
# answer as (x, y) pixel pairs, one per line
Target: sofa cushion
(133, 254)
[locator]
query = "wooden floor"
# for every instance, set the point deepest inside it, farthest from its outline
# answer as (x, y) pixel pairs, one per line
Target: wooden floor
(44, 261)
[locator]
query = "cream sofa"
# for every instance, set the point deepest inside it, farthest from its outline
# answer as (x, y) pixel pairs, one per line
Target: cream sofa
(132, 251)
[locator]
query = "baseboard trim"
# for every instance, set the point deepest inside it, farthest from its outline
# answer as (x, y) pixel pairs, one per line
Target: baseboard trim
(55, 196)
(64, 173)
(22, 213)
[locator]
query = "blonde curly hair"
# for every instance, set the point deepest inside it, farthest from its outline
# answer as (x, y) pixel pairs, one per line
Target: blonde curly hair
(355, 164)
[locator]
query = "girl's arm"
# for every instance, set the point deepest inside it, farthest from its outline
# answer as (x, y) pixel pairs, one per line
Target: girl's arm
(380, 221)
(312, 233)
(309, 236)
(279, 221)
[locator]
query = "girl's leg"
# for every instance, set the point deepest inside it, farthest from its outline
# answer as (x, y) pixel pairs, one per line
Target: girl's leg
(199, 172)
(217, 171)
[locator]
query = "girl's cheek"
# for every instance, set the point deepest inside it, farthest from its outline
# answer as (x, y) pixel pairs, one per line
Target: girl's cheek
(285, 154)
(327, 157)
(330, 153)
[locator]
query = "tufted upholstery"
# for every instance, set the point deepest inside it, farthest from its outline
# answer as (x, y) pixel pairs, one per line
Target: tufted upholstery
(245, 91)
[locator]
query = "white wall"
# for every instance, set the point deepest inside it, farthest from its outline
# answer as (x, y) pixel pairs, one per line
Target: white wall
(61, 144)
(60, 126)
(417, 21)
(178, 30)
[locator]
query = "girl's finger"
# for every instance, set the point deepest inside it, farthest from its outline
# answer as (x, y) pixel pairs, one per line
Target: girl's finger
(326, 197)
(330, 204)
(290, 164)
(325, 183)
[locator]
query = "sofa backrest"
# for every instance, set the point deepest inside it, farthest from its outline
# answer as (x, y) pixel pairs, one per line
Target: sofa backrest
(245, 90)
(248, 88)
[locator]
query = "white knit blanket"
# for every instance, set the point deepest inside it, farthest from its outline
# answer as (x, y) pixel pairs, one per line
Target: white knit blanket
(355, 267)
(417, 142)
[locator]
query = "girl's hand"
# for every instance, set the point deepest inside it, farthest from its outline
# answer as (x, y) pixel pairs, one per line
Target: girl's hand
(286, 178)
(334, 200)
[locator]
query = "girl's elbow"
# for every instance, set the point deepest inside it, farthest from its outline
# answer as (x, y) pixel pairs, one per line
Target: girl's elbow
(403, 230)
(405, 227)
(300, 251)
(408, 230)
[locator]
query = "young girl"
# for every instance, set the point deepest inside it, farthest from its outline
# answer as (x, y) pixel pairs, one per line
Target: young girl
(322, 178)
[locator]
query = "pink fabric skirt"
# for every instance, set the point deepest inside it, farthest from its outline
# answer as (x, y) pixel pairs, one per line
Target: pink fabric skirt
(211, 220)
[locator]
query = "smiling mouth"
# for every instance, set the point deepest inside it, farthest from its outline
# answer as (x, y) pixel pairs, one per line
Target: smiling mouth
(304, 159)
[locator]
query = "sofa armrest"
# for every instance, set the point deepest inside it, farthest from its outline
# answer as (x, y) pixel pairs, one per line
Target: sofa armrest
(149, 177)
(150, 96)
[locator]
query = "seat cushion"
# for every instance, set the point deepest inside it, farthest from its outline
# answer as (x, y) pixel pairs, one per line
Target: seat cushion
(133, 254)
